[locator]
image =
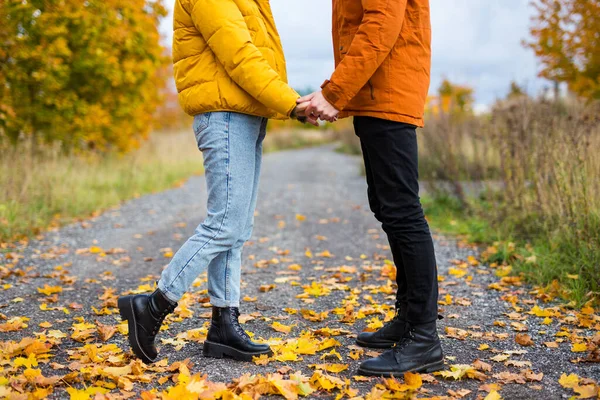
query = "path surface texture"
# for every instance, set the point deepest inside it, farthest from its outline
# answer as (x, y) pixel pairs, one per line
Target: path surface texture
(315, 273)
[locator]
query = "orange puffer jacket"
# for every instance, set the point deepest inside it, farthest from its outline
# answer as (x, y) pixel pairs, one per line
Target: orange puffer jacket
(383, 59)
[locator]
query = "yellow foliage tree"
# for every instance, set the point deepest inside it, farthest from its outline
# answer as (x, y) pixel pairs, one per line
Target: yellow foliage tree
(83, 73)
(566, 40)
(452, 99)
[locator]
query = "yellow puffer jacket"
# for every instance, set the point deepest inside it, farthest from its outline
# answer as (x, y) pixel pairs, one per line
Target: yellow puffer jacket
(228, 57)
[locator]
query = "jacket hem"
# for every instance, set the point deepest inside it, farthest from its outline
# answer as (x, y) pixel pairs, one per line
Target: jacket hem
(407, 119)
(254, 114)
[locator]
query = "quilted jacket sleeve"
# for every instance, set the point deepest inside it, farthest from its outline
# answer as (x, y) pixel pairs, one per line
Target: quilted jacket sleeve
(223, 27)
(372, 43)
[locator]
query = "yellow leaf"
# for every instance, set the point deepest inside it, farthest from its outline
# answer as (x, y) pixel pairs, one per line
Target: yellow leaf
(263, 359)
(250, 299)
(300, 217)
(412, 380)
(96, 250)
(504, 271)
(573, 276)
(374, 324)
(266, 288)
(49, 290)
(457, 272)
(588, 310)
(483, 347)
(56, 334)
(28, 362)
(32, 373)
(568, 381)
(281, 328)
(493, 395)
(578, 347)
(326, 382)
(325, 254)
(117, 371)
(14, 324)
(458, 371)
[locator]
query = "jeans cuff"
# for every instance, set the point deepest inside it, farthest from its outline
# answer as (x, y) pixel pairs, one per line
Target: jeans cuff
(169, 295)
(215, 302)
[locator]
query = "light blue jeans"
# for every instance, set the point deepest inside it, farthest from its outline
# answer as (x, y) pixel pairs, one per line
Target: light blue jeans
(231, 145)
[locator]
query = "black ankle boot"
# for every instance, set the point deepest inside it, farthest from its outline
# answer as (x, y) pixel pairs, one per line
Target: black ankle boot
(419, 350)
(386, 336)
(226, 337)
(145, 314)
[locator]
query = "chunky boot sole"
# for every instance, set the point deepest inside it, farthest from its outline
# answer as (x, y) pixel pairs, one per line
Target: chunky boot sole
(375, 345)
(427, 368)
(125, 305)
(219, 350)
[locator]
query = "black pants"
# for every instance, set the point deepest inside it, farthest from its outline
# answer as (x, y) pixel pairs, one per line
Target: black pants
(391, 164)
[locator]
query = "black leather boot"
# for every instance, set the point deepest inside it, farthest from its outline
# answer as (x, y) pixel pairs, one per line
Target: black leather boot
(386, 336)
(419, 350)
(145, 314)
(227, 338)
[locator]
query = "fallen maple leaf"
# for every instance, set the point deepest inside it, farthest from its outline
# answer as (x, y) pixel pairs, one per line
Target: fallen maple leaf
(568, 381)
(458, 371)
(281, 328)
(524, 339)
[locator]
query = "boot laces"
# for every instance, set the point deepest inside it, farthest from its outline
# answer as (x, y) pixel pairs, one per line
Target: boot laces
(161, 318)
(408, 337)
(236, 324)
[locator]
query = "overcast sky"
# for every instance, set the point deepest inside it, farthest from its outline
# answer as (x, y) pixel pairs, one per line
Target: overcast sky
(475, 42)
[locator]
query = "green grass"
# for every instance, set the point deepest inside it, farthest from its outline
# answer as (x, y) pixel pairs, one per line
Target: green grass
(554, 260)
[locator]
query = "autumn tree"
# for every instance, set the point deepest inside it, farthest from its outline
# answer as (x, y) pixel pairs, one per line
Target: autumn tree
(452, 99)
(566, 39)
(83, 73)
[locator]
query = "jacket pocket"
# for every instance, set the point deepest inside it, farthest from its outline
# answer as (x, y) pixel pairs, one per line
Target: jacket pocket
(345, 43)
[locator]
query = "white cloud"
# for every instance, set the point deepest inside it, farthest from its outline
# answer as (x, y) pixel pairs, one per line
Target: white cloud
(474, 42)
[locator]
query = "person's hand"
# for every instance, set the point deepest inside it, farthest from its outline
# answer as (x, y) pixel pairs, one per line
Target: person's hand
(319, 107)
(300, 114)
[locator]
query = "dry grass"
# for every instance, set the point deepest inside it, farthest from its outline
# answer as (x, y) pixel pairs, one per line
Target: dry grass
(43, 186)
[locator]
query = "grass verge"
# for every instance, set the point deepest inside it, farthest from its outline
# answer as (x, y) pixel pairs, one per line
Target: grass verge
(45, 188)
(559, 263)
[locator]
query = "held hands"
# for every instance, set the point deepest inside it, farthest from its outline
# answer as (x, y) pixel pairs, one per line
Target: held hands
(300, 114)
(319, 107)
(314, 107)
